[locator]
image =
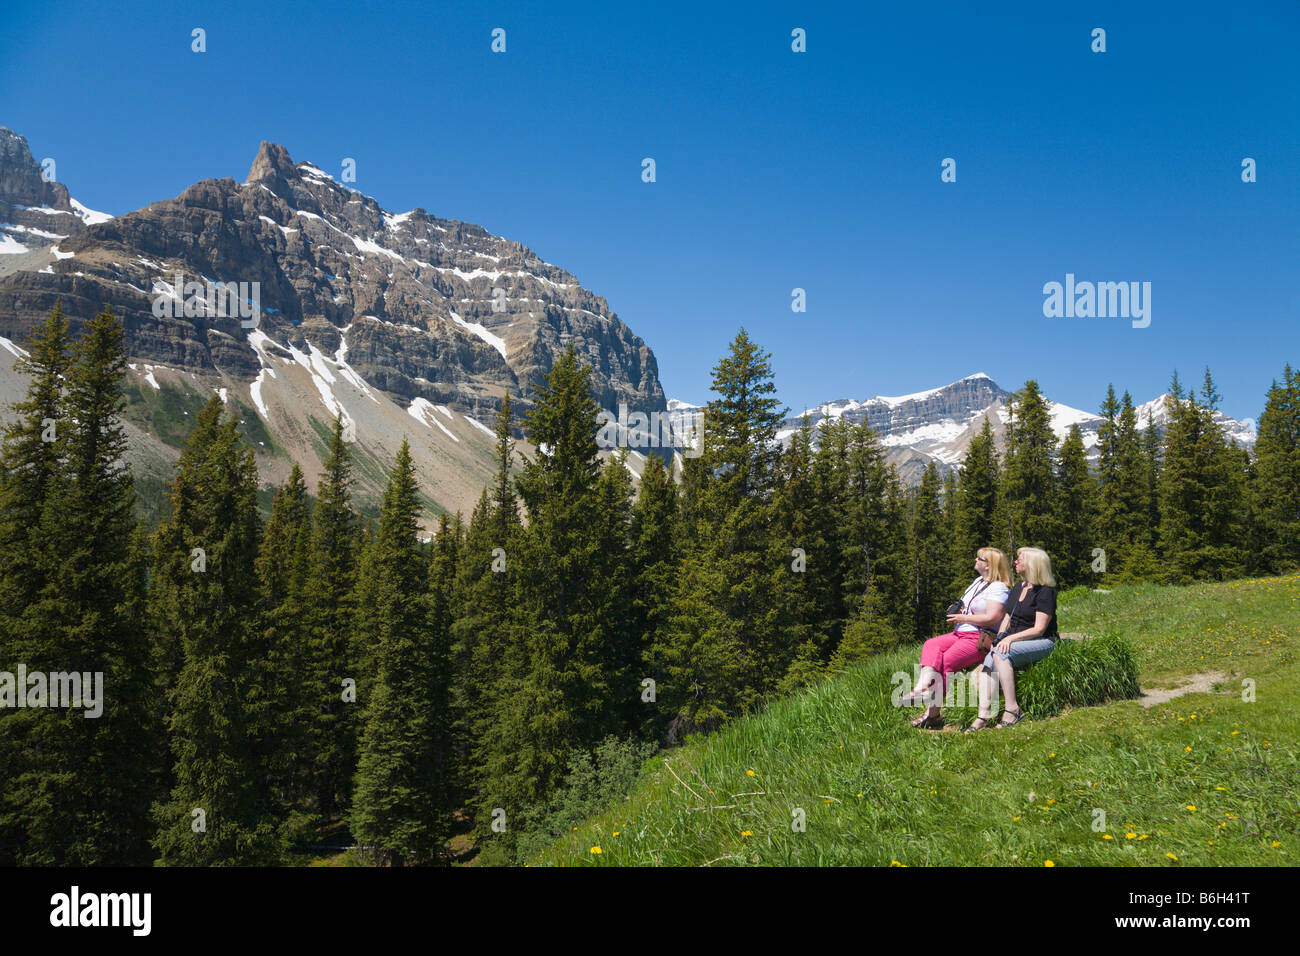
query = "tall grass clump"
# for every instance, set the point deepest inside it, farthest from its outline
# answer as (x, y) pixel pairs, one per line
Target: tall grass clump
(1079, 674)
(1076, 674)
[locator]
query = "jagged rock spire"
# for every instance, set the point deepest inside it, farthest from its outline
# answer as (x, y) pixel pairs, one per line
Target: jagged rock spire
(272, 161)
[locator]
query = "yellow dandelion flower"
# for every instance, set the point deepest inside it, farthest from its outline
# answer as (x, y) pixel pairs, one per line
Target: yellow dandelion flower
(1145, 836)
(1048, 863)
(1129, 836)
(746, 832)
(1220, 788)
(595, 849)
(1107, 836)
(1191, 808)
(894, 863)
(1277, 843)
(1015, 819)
(1187, 750)
(1171, 856)
(1051, 755)
(616, 832)
(1050, 802)
(750, 772)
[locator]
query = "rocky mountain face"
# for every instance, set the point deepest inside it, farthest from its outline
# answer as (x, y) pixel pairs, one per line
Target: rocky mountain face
(401, 323)
(938, 424)
(34, 211)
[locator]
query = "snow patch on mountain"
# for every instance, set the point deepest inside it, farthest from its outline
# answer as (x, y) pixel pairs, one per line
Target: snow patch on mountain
(424, 412)
(17, 350)
(496, 342)
(89, 216)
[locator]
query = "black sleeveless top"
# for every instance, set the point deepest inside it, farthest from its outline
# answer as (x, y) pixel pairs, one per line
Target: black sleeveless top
(1040, 598)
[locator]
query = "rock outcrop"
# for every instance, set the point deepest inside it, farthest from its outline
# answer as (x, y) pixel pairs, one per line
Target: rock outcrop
(403, 324)
(427, 308)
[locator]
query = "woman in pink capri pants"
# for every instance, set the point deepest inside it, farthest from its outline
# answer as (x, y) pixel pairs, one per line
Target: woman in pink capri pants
(981, 606)
(1028, 634)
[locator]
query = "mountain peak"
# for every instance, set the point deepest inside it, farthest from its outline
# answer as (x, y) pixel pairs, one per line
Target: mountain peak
(272, 160)
(21, 179)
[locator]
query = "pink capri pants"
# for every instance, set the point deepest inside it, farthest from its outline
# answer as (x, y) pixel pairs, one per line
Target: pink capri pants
(951, 652)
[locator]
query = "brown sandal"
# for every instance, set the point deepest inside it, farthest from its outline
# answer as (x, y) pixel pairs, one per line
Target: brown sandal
(1011, 723)
(932, 722)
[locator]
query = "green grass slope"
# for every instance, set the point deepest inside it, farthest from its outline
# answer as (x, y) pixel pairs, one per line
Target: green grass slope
(1209, 777)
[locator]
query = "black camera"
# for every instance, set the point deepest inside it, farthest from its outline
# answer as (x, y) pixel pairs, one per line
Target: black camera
(954, 607)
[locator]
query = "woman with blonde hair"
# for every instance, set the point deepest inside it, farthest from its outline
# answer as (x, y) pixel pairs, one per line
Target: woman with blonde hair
(1027, 634)
(981, 608)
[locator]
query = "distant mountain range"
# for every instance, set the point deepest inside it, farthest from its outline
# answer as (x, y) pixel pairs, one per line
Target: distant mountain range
(406, 324)
(938, 424)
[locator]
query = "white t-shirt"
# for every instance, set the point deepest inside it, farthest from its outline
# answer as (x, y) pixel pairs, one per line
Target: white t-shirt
(995, 591)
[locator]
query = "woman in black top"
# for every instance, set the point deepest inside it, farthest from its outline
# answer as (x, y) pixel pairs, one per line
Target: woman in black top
(1028, 633)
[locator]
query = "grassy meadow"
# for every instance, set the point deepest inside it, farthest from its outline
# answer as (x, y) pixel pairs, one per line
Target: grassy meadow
(835, 775)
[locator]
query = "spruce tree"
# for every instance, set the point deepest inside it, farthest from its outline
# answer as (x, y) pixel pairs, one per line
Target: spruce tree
(477, 636)
(829, 523)
(1202, 489)
(488, 656)
(401, 807)
(977, 504)
(281, 717)
(724, 632)
(1075, 503)
(204, 588)
(876, 557)
(1227, 468)
(868, 634)
(931, 572)
(958, 561)
(1277, 453)
(447, 543)
(1029, 480)
(32, 477)
(332, 657)
(613, 520)
(1151, 490)
(654, 560)
(558, 686)
(98, 772)
(799, 566)
(33, 465)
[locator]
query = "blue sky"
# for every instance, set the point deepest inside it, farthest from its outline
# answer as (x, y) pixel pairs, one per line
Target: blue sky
(775, 170)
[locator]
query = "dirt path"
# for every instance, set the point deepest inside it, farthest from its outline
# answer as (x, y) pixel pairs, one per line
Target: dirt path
(1196, 684)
